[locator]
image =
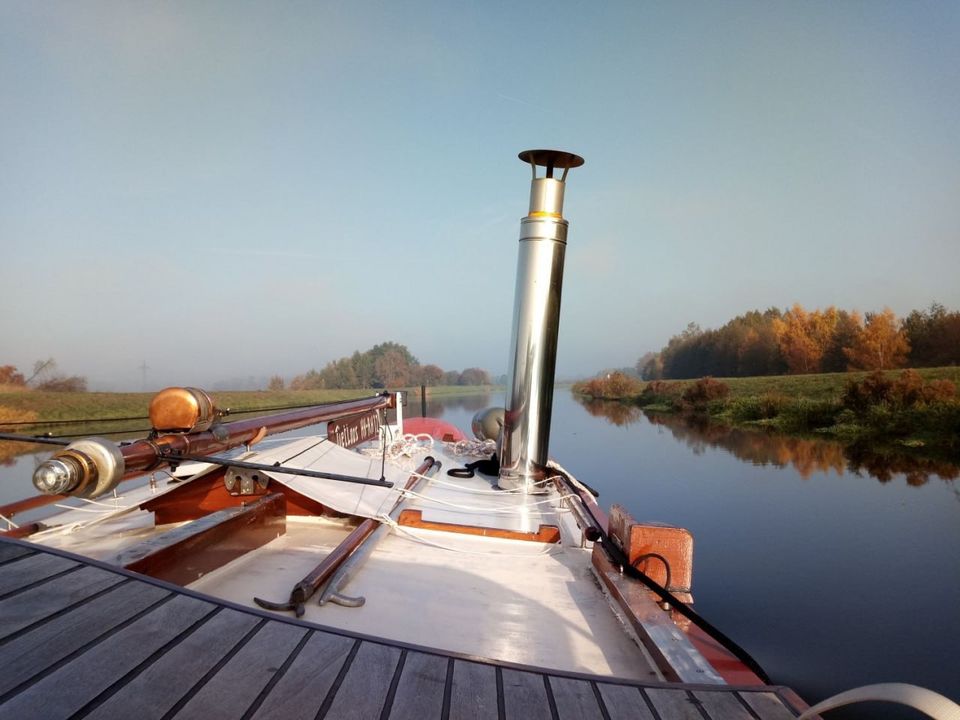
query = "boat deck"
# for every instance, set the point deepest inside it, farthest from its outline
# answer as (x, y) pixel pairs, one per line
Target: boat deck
(79, 638)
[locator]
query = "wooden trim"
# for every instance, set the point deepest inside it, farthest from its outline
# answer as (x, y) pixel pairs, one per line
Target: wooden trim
(22, 531)
(11, 509)
(655, 629)
(414, 518)
(185, 553)
(197, 498)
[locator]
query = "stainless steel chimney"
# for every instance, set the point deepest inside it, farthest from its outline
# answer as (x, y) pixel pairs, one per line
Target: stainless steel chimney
(536, 322)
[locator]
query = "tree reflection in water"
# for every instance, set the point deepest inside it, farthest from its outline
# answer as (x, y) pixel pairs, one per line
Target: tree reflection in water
(805, 455)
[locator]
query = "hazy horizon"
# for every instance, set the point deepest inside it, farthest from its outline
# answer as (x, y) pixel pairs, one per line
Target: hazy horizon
(230, 191)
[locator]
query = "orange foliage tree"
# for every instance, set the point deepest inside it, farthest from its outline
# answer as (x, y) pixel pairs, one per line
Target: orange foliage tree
(10, 376)
(804, 337)
(880, 345)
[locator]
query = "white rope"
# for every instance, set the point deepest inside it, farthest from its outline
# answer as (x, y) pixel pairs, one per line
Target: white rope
(926, 701)
(406, 446)
(11, 525)
(471, 448)
(548, 549)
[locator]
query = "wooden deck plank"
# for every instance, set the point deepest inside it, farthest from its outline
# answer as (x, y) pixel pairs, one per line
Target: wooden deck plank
(575, 699)
(420, 692)
(474, 691)
(29, 655)
(304, 686)
(30, 569)
(673, 704)
(233, 689)
(9, 551)
(77, 638)
(152, 693)
(767, 705)
(722, 705)
(23, 609)
(524, 696)
(624, 701)
(72, 686)
(364, 688)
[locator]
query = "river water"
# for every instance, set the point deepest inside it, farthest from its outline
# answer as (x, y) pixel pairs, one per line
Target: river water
(833, 569)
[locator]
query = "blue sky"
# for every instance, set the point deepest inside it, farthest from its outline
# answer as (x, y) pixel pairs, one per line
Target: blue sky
(241, 189)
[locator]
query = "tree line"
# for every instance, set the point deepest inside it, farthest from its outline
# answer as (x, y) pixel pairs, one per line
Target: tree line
(799, 341)
(387, 365)
(43, 378)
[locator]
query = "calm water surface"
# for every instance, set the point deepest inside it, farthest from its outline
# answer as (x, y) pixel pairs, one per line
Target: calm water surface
(833, 570)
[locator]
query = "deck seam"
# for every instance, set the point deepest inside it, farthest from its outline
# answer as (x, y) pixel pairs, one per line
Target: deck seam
(17, 558)
(650, 705)
(45, 672)
(41, 581)
(501, 702)
(335, 688)
(69, 608)
(599, 698)
(698, 704)
(447, 691)
(743, 701)
(130, 675)
(207, 676)
(387, 707)
(551, 700)
(281, 671)
(784, 698)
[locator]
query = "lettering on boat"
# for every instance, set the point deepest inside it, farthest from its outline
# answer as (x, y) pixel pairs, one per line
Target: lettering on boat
(353, 431)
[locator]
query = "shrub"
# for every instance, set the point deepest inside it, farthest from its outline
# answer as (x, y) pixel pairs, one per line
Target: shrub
(616, 385)
(937, 391)
(661, 392)
(806, 414)
(703, 392)
(61, 383)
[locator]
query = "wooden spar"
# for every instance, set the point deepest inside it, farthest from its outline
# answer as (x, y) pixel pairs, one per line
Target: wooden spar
(316, 578)
(144, 455)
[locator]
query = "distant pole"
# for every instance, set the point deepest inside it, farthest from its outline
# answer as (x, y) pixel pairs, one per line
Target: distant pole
(423, 401)
(143, 376)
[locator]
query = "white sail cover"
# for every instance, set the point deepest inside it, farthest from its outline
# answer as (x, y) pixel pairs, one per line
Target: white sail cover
(318, 453)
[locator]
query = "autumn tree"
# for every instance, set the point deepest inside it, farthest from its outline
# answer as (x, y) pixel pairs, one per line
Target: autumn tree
(804, 337)
(431, 375)
(10, 376)
(391, 369)
(276, 383)
(880, 345)
(474, 376)
(934, 336)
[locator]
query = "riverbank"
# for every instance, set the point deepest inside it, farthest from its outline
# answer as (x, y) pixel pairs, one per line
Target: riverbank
(917, 410)
(39, 408)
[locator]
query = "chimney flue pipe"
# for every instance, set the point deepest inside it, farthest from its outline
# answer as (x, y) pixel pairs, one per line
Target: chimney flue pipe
(536, 322)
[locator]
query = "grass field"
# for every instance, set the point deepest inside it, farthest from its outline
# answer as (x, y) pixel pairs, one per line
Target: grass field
(811, 404)
(47, 406)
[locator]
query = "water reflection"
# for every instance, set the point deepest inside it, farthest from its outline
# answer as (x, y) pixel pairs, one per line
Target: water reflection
(616, 413)
(441, 405)
(805, 455)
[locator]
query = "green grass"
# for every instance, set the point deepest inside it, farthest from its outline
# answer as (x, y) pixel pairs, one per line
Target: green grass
(823, 386)
(814, 405)
(77, 406)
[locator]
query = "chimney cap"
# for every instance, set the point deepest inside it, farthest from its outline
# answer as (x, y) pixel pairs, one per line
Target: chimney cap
(551, 159)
